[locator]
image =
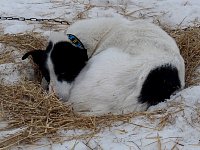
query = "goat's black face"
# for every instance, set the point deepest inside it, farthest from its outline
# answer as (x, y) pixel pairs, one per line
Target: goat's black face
(159, 85)
(67, 60)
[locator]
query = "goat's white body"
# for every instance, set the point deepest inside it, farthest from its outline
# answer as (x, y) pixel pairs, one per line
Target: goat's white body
(122, 54)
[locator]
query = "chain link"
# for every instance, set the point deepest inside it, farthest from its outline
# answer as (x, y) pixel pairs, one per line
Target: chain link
(35, 19)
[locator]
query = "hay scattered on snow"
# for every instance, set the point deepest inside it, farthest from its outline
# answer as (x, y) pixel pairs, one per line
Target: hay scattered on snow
(24, 41)
(50, 26)
(5, 57)
(41, 115)
(189, 44)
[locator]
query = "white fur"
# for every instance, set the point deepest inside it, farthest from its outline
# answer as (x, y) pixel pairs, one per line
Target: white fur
(122, 54)
(58, 37)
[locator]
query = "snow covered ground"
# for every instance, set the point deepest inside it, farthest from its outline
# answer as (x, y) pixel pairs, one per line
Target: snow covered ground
(183, 129)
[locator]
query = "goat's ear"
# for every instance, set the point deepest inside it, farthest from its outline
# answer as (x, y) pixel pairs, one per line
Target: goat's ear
(39, 56)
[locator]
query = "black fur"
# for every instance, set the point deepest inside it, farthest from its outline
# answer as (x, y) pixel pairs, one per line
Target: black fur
(159, 85)
(39, 58)
(49, 47)
(68, 61)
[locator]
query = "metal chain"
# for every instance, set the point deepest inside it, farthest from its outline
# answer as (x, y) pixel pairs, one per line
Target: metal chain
(34, 19)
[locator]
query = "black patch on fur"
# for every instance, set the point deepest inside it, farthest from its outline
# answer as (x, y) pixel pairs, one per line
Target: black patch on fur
(68, 60)
(159, 85)
(49, 47)
(39, 58)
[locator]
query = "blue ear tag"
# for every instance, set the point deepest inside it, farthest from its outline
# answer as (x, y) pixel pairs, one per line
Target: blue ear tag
(75, 41)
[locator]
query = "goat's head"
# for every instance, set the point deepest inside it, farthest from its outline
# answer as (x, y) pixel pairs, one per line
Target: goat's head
(60, 62)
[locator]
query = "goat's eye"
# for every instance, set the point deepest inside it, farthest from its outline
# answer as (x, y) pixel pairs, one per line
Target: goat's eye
(61, 75)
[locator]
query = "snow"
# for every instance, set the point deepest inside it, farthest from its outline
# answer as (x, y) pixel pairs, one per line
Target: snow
(11, 75)
(183, 130)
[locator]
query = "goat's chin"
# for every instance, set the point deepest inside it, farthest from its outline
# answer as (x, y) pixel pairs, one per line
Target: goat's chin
(60, 89)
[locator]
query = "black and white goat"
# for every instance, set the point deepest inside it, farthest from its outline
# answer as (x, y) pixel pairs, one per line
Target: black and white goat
(132, 65)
